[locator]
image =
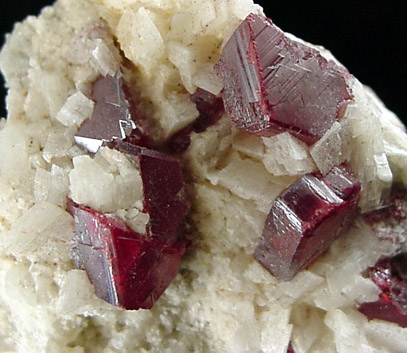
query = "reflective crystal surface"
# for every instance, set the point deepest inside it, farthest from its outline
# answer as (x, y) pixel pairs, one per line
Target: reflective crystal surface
(305, 219)
(127, 269)
(114, 116)
(165, 196)
(390, 276)
(273, 83)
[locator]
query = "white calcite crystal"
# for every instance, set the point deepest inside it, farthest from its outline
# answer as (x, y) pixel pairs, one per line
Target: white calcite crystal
(222, 300)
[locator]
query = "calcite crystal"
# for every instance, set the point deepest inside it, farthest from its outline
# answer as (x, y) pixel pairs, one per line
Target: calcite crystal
(305, 219)
(127, 269)
(274, 84)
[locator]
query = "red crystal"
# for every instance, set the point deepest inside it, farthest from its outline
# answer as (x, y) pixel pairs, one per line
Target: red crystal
(165, 196)
(305, 219)
(273, 83)
(127, 269)
(390, 276)
(290, 349)
(210, 109)
(114, 116)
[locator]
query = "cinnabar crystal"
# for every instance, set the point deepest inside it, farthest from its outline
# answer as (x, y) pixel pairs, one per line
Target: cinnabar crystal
(127, 269)
(305, 219)
(114, 116)
(390, 276)
(273, 83)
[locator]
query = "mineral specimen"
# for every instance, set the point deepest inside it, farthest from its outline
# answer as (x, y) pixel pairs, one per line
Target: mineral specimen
(127, 269)
(305, 219)
(390, 276)
(114, 116)
(273, 83)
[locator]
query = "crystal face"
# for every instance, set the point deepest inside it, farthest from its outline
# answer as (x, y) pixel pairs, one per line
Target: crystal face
(210, 109)
(305, 219)
(165, 196)
(390, 276)
(114, 116)
(127, 269)
(273, 83)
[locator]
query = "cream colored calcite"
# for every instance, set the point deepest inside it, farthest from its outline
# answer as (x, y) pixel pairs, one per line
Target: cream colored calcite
(222, 301)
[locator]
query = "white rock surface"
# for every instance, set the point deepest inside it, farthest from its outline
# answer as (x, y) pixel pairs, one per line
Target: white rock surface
(222, 300)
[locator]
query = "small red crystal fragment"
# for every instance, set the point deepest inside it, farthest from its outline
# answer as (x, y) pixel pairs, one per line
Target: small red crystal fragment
(290, 349)
(165, 196)
(210, 109)
(127, 269)
(273, 83)
(114, 116)
(305, 219)
(390, 276)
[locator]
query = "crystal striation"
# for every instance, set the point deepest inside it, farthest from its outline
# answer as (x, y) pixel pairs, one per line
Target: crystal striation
(305, 219)
(127, 269)
(273, 83)
(390, 276)
(114, 116)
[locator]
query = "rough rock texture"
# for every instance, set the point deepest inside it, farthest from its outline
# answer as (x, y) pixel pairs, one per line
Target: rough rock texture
(169, 48)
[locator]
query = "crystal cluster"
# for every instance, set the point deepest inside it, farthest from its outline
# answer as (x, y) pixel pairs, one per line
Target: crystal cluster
(274, 84)
(389, 273)
(128, 268)
(390, 276)
(305, 219)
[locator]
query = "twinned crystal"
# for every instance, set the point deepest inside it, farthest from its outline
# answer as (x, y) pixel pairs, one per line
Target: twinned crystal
(273, 83)
(305, 219)
(128, 268)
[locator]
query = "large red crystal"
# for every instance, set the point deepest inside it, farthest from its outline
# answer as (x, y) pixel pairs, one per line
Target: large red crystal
(390, 276)
(114, 117)
(305, 219)
(127, 269)
(273, 83)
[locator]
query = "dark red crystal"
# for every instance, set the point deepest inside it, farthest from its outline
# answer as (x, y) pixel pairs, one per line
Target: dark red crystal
(390, 276)
(114, 117)
(210, 109)
(290, 349)
(393, 210)
(305, 219)
(127, 269)
(165, 196)
(273, 83)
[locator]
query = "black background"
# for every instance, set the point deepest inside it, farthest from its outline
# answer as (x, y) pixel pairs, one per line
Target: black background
(367, 36)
